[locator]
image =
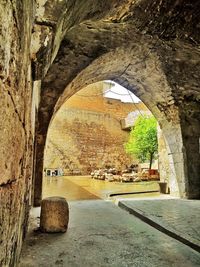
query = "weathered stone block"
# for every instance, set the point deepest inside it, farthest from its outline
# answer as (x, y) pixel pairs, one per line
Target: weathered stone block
(54, 215)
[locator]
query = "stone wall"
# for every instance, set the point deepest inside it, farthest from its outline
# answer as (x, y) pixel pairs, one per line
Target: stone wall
(15, 126)
(166, 164)
(86, 133)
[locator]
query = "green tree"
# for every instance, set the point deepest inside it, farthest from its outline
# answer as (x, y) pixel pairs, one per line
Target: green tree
(143, 141)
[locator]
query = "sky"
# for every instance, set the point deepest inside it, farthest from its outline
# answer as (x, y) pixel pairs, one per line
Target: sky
(119, 92)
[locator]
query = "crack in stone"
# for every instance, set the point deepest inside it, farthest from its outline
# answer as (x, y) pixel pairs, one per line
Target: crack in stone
(14, 15)
(8, 183)
(16, 111)
(46, 23)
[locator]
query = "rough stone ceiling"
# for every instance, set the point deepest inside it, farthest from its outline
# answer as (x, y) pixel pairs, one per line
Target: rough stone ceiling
(71, 35)
(167, 19)
(172, 18)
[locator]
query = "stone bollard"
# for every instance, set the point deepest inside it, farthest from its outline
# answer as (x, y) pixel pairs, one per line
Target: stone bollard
(163, 187)
(54, 215)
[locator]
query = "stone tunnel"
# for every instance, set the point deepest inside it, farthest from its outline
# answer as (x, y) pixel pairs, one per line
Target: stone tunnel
(51, 49)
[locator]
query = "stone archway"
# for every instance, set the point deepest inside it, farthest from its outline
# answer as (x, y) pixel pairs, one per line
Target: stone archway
(139, 70)
(67, 37)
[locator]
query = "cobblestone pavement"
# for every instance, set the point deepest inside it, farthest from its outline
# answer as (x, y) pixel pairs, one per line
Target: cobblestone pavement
(101, 234)
(179, 217)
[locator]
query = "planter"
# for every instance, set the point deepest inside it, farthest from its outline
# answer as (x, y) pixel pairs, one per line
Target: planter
(152, 172)
(163, 186)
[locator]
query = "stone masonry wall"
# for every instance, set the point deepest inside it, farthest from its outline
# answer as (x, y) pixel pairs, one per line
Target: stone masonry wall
(86, 133)
(166, 164)
(15, 126)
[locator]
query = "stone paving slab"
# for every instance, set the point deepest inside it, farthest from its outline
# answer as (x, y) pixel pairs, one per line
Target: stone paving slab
(178, 218)
(101, 234)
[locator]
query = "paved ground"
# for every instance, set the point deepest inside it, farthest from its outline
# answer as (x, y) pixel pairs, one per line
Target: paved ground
(179, 217)
(101, 234)
(83, 187)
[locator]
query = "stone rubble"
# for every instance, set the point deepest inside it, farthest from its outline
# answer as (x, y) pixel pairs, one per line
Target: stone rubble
(128, 175)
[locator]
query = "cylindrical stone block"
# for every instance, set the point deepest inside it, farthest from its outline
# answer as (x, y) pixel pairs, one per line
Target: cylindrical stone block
(54, 216)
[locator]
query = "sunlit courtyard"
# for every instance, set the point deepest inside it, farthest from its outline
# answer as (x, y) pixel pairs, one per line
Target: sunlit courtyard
(84, 187)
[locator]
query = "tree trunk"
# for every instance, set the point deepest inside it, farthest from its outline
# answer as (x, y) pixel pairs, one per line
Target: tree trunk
(151, 160)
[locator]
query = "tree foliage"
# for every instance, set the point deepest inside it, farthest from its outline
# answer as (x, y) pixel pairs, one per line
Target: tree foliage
(142, 141)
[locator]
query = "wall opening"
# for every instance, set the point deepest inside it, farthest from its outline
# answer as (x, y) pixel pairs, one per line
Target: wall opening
(89, 131)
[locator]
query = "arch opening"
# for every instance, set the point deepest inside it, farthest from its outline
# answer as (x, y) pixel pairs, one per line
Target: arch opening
(144, 76)
(75, 154)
